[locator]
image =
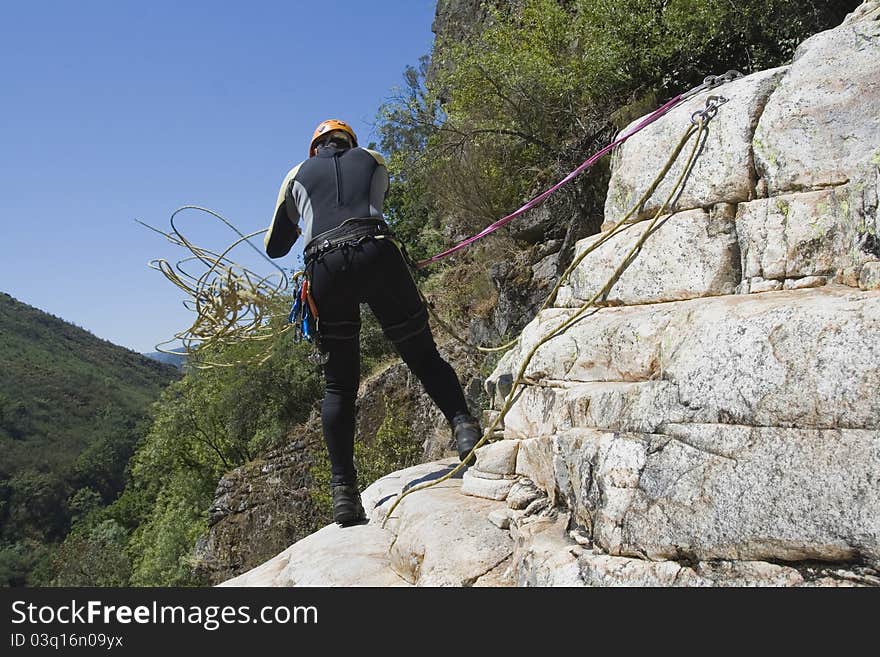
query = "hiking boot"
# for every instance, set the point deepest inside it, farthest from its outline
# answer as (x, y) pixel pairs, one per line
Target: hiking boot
(467, 432)
(347, 507)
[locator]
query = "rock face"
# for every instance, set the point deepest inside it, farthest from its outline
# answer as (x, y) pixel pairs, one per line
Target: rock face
(809, 234)
(455, 20)
(820, 127)
(727, 410)
(268, 498)
(715, 419)
(717, 491)
(694, 254)
(725, 170)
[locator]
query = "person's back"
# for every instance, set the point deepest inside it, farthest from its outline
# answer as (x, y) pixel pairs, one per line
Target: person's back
(336, 184)
(338, 195)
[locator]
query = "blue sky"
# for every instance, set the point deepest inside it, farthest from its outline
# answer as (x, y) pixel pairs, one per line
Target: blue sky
(112, 111)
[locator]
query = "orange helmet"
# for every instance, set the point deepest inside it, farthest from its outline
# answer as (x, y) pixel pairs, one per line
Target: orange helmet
(326, 126)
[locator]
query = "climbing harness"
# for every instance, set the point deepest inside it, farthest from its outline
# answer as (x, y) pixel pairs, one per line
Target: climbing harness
(698, 128)
(304, 312)
(349, 233)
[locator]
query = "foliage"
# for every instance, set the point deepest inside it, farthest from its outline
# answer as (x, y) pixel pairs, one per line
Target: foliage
(209, 422)
(375, 347)
(161, 548)
(71, 412)
(392, 448)
(406, 125)
(25, 563)
(93, 554)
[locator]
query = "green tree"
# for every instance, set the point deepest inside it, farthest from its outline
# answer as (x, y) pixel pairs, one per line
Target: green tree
(547, 81)
(208, 423)
(161, 549)
(93, 554)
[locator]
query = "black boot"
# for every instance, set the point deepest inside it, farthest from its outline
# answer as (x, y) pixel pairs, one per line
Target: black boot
(467, 432)
(347, 507)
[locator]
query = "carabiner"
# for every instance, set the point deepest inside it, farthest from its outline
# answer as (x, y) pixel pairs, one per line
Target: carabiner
(291, 318)
(710, 110)
(712, 81)
(306, 329)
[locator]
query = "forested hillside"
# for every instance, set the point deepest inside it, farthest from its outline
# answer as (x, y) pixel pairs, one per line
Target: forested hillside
(72, 409)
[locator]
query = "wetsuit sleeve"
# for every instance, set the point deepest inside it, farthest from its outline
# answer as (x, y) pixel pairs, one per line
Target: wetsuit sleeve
(284, 228)
(379, 184)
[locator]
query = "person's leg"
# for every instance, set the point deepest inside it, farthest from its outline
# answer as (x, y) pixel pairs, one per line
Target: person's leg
(396, 303)
(341, 374)
(438, 378)
(339, 327)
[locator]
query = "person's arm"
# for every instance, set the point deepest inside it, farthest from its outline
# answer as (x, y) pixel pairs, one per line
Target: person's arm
(378, 185)
(284, 228)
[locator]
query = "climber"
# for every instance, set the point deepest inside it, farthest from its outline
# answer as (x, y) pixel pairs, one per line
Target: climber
(350, 257)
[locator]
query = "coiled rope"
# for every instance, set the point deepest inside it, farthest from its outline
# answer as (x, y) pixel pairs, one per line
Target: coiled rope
(232, 303)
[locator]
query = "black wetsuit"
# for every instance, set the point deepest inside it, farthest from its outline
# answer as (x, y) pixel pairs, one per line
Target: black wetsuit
(324, 191)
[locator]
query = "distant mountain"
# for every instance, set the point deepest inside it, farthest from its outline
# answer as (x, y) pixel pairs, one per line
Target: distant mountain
(71, 412)
(177, 359)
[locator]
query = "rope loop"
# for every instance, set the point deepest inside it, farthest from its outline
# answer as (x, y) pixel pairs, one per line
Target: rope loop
(232, 303)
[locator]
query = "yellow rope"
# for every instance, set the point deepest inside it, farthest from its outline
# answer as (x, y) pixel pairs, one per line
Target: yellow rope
(700, 130)
(232, 304)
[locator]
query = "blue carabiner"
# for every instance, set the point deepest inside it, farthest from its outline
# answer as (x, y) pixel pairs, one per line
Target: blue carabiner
(306, 329)
(294, 311)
